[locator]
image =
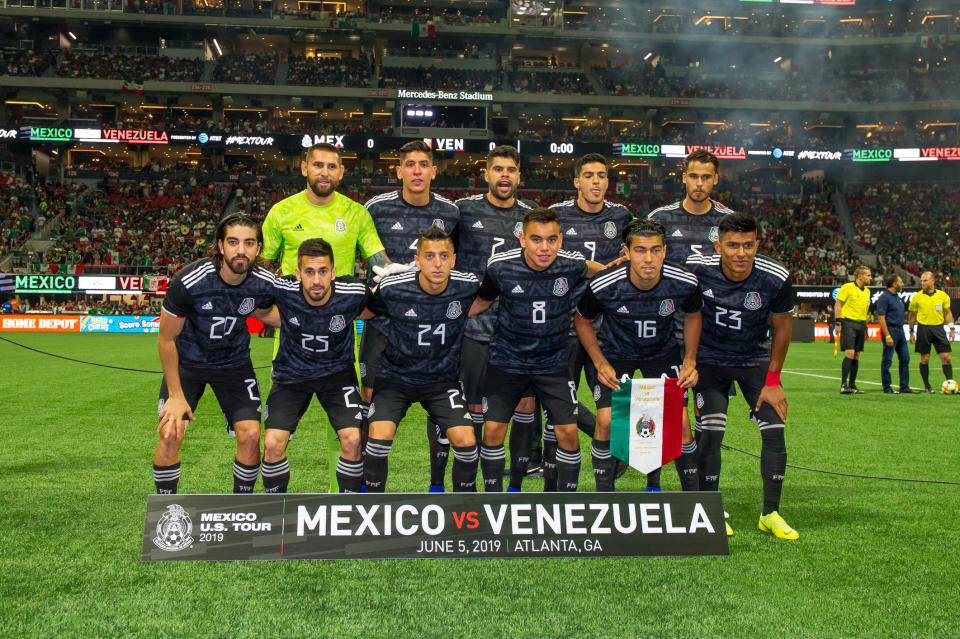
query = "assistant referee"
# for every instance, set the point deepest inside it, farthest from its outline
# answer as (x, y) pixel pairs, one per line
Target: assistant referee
(850, 314)
(930, 307)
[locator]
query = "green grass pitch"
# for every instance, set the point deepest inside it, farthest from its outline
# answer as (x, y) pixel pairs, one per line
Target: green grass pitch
(875, 558)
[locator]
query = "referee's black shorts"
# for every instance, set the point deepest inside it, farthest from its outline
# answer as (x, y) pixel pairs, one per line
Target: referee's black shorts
(935, 335)
(852, 335)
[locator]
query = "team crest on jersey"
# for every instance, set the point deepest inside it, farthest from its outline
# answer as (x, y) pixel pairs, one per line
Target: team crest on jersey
(518, 229)
(246, 306)
(340, 225)
(752, 301)
(174, 530)
(337, 323)
(438, 223)
(454, 310)
(667, 307)
(646, 427)
(609, 230)
(560, 287)
(714, 234)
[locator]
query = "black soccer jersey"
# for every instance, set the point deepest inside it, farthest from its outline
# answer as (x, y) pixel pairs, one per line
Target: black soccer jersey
(400, 224)
(596, 235)
(316, 341)
(736, 314)
(215, 334)
(484, 231)
(639, 324)
(426, 330)
(689, 234)
(536, 311)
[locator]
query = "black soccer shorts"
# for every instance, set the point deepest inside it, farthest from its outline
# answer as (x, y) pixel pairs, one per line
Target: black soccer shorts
(474, 356)
(668, 366)
(928, 336)
(852, 335)
(443, 401)
(237, 391)
(711, 391)
(372, 343)
(337, 393)
(557, 394)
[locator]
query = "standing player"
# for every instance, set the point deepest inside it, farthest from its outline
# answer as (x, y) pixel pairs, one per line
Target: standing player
(535, 285)
(930, 308)
(850, 314)
(591, 226)
(421, 362)
(742, 292)
(204, 340)
(637, 302)
(400, 218)
(316, 357)
(490, 224)
(891, 313)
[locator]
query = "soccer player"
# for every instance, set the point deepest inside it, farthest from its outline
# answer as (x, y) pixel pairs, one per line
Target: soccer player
(421, 362)
(743, 292)
(591, 226)
(891, 312)
(316, 357)
(400, 218)
(490, 224)
(204, 340)
(637, 302)
(535, 285)
(930, 307)
(850, 314)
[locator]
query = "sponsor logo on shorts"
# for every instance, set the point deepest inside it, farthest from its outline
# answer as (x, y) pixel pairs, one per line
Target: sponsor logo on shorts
(454, 310)
(246, 306)
(609, 230)
(560, 287)
(337, 323)
(174, 530)
(752, 301)
(667, 307)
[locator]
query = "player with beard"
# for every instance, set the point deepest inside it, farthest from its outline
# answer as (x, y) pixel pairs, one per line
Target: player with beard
(400, 218)
(204, 340)
(491, 224)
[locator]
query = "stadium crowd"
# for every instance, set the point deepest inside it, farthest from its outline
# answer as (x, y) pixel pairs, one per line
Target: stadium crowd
(128, 66)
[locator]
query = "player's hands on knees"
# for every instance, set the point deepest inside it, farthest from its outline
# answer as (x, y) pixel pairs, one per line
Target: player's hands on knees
(688, 375)
(774, 396)
(607, 375)
(173, 415)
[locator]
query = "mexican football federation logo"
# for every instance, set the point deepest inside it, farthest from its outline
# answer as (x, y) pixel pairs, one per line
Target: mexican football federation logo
(454, 310)
(560, 287)
(518, 229)
(646, 427)
(337, 323)
(752, 301)
(609, 230)
(174, 530)
(714, 234)
(340, 225)
(246, 306)
(596, 392)
(437, 222)
(667, 307)
(363, 370)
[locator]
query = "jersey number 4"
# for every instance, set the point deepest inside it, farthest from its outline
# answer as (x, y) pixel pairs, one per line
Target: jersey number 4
(426, 329)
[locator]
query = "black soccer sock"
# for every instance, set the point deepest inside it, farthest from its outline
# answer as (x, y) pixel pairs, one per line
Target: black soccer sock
(708, 465)
(653, 479)
(549, 460)
(686, 465)
(349, 475)
(364, 426)
(375, 464)
(536, 438)
(845, 370)
(520, 433)
(439, 453)
(568, 469)
(165, 478)
(586, 420)
(854, 367)
(244, 477)
(603, 465)
(925, 375)
(773, 465)
(477, 419)
(464, 473)
(492, 462)
(276, 476)
(948, 371)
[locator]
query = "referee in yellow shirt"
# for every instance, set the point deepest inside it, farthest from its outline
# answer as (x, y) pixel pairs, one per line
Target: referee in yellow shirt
(931, 309)
(850, 314)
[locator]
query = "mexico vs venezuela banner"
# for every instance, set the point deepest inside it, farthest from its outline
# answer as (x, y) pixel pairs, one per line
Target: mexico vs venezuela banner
(645, 422)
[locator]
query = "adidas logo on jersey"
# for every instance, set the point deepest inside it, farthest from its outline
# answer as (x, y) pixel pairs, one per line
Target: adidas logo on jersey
(676, 233)
(298, 227)
(397, 226)
(208, 306)
(477, 225)
(708, 292)
(623, 309)
(294, 321)
(571, 231)
(517, 289)
(410, 313)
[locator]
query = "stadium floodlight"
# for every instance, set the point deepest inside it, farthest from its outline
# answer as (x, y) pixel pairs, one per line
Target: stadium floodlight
(70, 33)
(217, 45)
(647, 57)
(778, 59)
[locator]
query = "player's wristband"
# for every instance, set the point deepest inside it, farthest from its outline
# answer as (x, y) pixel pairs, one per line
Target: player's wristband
(773, 378)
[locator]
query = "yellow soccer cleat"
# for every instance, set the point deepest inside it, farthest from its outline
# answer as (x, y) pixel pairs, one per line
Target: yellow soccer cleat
(726, 523)
(774, 523)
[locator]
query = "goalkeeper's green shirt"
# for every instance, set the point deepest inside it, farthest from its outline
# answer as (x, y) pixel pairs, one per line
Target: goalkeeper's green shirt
(343, 223)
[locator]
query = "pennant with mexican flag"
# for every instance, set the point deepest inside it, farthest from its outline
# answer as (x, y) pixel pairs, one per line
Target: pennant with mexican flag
(645, 422)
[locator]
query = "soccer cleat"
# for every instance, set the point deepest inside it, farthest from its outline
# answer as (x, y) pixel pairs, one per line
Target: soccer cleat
(930, 391)
(620, 469)
(891, 391)
(726, 523)
(653, 489)
(435, 489)
(846, 390)
(774, 523)
(535, 471)
(855, 390)
(908, 391)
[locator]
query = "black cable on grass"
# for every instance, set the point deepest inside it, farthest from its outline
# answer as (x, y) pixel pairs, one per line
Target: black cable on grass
(831, 472)
(80, 361)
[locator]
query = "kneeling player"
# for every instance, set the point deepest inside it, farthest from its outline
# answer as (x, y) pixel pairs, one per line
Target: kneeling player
(638, 301)
(315, 358)
(421, 362)
(742, 293)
